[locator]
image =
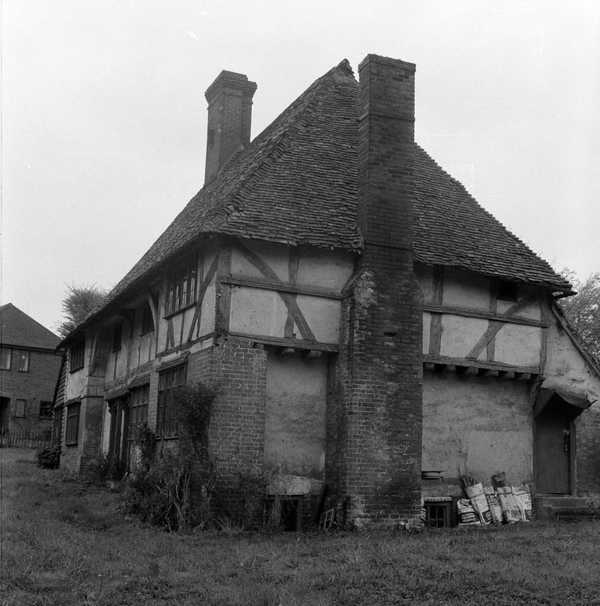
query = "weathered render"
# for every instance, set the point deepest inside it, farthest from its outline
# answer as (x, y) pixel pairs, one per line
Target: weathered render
(363, 318)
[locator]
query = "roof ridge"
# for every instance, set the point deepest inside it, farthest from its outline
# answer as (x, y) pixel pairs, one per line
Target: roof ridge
(311, 96)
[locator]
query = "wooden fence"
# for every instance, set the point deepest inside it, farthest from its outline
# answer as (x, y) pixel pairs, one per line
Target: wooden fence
(25, 439)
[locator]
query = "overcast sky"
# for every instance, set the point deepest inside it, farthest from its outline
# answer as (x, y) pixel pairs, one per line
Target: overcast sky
(104, 116)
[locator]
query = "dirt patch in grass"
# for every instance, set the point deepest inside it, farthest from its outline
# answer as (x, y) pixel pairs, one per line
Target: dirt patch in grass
(69, 544)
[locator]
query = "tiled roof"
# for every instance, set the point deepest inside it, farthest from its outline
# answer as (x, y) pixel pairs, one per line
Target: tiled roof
(17, 328)
(297, 183)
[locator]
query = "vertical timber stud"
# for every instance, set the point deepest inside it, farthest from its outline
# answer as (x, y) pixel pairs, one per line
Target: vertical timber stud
(223, 290)
(382, 458)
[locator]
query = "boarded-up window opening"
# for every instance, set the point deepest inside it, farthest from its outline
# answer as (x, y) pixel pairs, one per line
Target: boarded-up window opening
(147, 320)
(168, 380)
(72, 431)
(117, 337)
(76, 355)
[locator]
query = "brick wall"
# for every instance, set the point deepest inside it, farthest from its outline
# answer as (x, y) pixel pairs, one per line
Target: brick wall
(238, 420)
(34, 386)
(381, 360)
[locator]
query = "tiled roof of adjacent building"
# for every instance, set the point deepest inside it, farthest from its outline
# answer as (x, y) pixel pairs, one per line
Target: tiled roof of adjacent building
(297, 183)
(17, 328)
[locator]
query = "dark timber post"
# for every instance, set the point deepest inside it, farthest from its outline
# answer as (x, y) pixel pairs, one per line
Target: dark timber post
(383, 402)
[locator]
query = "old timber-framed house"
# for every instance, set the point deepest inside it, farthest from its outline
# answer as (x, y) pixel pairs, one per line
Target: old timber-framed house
(364, 318)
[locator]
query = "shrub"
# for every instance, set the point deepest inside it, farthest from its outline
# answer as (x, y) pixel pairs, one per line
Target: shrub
(103, 468)
(49, 458)
(174, 490)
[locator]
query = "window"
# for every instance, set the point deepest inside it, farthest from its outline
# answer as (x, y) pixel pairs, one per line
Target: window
(45, 409)
(437, 514)
(147, 320)
(138, 409)
(507, 291)
(72, 432)
(5, 358)
(22, 359)
(182, 289)
(20, 406)
(117, 337)
(167, 382)
(76, 355)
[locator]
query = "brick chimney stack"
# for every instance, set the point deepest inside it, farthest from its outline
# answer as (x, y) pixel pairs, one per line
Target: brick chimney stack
(383, 403)
(229, 115)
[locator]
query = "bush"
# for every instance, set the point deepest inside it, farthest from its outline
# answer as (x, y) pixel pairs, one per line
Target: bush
(103, 468)
(49, 458)
(161, 491)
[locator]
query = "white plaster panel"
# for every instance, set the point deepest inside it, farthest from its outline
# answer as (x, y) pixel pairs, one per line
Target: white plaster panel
(531, 311)
(426, 331)
(323, 317)
(274, 255)
(325, 269)
(465, 289)
(565, 361)
(477, 425)
(518, 345)
(256, 311)
(459, 335)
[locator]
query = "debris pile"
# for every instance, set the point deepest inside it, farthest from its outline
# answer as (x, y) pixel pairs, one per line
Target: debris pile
(496, 504)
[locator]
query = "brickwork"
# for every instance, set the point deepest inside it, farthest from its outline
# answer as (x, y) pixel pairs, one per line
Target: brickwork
(382, 357)
(34, 386)
(238, 420)
(229, 113)
(587, 452)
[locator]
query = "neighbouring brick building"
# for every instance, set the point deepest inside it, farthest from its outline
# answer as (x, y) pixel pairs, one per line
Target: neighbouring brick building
(367, 323)
(29, 367)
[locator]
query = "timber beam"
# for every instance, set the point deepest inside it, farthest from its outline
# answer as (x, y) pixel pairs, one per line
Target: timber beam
(466, 367)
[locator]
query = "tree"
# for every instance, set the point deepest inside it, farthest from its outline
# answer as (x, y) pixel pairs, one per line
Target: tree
(78, 304)
(583, 311)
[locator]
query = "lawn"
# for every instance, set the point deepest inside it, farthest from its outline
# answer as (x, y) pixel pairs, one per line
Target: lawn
(66, 544)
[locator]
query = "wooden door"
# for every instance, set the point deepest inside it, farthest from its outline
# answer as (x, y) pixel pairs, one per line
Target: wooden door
(553, 449)
(118, 431)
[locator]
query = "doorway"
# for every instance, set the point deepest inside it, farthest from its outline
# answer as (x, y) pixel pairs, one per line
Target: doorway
(554, 441)
(4, 414)
(118, 446)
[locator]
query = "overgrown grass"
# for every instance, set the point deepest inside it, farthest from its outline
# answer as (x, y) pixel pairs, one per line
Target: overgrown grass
(67, 544)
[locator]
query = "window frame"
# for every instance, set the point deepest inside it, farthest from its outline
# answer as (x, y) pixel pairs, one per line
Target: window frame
(20, 402)
(26, 356)
(9, 351)
(73, 412)
(46, 405)
(182, 288)
(166, 423)
(507, 291)
(137, 414)
(77, 362)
